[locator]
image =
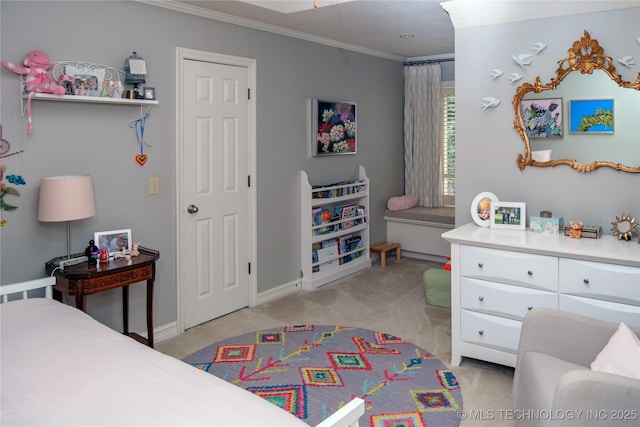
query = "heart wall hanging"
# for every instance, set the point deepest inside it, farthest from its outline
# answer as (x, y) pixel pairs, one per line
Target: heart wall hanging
(138, 125)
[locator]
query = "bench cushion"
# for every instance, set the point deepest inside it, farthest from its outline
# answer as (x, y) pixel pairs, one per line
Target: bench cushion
(444, 215)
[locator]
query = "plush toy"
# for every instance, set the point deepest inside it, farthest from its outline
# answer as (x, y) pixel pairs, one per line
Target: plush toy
(576, 229)
(37, 79)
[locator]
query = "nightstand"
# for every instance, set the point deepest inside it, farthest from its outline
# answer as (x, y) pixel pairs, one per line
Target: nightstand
(83, 279)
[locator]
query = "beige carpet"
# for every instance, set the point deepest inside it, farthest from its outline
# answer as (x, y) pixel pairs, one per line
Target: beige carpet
(389, 300)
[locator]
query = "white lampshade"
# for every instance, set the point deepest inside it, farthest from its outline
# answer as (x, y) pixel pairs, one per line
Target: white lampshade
(66, 198)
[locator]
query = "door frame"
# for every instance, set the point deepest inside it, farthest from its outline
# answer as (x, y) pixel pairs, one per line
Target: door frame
(183, 54)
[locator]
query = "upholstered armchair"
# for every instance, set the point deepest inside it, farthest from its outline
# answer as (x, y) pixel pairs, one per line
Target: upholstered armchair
(554, 384)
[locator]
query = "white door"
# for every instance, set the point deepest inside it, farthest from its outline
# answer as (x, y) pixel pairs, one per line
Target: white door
(214, 240)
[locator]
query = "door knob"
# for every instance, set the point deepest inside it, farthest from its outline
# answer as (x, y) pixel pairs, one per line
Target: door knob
(192, 209)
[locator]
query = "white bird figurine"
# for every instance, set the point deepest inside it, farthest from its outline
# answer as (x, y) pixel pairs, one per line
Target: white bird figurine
(489, 102)
(495, 73)
(627, 61)
(514, 77)
(539, 47)
(523, 59)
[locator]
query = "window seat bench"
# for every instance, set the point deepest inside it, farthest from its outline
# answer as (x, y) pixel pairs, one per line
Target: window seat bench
(419, 231)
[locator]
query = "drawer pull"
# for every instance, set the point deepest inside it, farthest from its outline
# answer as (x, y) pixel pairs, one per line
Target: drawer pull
(530, 307)
(586, 281)
(481, 298)
(481, 332)
(530, 273)
(480, 264)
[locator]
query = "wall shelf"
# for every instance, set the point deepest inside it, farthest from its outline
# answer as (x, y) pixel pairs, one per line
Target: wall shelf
(90, 99)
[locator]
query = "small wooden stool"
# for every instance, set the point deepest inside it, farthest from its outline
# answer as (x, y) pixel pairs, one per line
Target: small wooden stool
(383, 247)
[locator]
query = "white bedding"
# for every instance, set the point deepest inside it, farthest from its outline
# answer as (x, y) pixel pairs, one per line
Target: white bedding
(59, 367)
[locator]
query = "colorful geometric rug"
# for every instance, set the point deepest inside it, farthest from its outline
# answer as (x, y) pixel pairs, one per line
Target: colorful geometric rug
(311, 371)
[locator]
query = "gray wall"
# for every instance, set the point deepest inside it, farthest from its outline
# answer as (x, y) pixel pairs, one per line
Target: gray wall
(70, 138)
(487, 145)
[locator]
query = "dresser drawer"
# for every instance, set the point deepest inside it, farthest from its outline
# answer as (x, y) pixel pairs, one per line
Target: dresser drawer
(603, 310)
(516, 268)
(610, 282)
(490, 331)
(503, 300)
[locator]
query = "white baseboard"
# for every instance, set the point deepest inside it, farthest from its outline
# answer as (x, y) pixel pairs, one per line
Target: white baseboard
(279, 291)
(170, 330)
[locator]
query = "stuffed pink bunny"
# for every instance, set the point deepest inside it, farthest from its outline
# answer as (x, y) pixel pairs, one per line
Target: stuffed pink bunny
(37, 78)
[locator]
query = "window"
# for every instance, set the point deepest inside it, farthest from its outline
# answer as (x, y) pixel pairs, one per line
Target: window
(449, 144)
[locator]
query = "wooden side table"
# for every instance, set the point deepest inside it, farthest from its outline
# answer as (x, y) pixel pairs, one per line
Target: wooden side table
(83, 279)
(383, 247)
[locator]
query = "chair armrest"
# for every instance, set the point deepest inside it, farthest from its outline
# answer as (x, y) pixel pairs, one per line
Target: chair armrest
(567, 336)
(605, 399)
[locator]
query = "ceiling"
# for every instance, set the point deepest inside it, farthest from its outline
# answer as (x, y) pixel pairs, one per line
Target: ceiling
(371, 26)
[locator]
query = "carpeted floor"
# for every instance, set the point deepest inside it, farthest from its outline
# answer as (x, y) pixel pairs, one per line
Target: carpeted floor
(311, 371)
(390, 300)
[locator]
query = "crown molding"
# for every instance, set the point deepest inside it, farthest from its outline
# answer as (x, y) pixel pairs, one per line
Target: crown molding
(256, 25)
(473, 13)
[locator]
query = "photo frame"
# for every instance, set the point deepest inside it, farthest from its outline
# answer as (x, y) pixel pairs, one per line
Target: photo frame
(591, 116)
(511, 215)
(87, 78)
(334, 128)
(542, 118)
(481, 208)
(149, 93)
(113, 240)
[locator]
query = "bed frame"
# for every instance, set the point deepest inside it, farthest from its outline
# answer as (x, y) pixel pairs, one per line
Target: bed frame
(347, 416)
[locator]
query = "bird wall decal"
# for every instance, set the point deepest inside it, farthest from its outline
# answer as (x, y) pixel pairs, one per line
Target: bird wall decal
(489, 102)
(495, 73)
(627, 61)
(522, 59)
(539, 47)
(514, 77)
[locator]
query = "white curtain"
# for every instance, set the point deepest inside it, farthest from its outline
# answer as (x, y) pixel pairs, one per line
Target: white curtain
(422, 134)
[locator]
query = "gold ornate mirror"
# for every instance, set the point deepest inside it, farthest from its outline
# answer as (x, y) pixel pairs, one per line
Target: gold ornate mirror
(585, 56)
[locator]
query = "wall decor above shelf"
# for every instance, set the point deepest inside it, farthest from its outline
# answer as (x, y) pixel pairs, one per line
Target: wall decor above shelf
(92, 99)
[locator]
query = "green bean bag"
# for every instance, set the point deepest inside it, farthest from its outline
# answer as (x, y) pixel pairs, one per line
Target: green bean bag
(437, 287)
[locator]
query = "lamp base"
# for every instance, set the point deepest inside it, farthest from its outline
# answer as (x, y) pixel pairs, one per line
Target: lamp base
(72, 261)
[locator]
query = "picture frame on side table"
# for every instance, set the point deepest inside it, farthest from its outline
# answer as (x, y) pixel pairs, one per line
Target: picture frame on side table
(334, 128)
(113, 240)
(509, 215)
(481, 208)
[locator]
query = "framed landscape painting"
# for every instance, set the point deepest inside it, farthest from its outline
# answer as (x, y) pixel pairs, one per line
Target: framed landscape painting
(334, 128)
(591, 116)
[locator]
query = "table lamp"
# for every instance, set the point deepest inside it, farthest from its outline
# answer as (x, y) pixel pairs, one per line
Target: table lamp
(66, 198)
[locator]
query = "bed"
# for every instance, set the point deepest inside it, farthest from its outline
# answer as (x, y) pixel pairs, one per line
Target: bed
(59, 366)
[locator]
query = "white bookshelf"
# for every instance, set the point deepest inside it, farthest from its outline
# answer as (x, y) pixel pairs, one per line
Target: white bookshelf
(329, 266)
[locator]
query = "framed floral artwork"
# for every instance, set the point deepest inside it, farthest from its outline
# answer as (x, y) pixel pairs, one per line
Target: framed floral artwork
(334, 127)
(542, 118)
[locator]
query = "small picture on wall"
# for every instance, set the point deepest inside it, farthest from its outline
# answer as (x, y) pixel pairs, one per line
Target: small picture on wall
(333, 127)
(511, 215)
(591, 116)
(542, 118)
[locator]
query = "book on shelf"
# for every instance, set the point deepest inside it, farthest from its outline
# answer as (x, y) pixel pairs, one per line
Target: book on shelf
(328, 253)
(347, 245)
(348, 211)
(314, 255)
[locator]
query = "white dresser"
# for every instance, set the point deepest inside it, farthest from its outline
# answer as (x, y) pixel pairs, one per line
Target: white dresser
(498, 275)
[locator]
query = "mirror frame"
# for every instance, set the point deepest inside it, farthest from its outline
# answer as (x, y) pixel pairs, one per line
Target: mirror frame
(585, 56)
